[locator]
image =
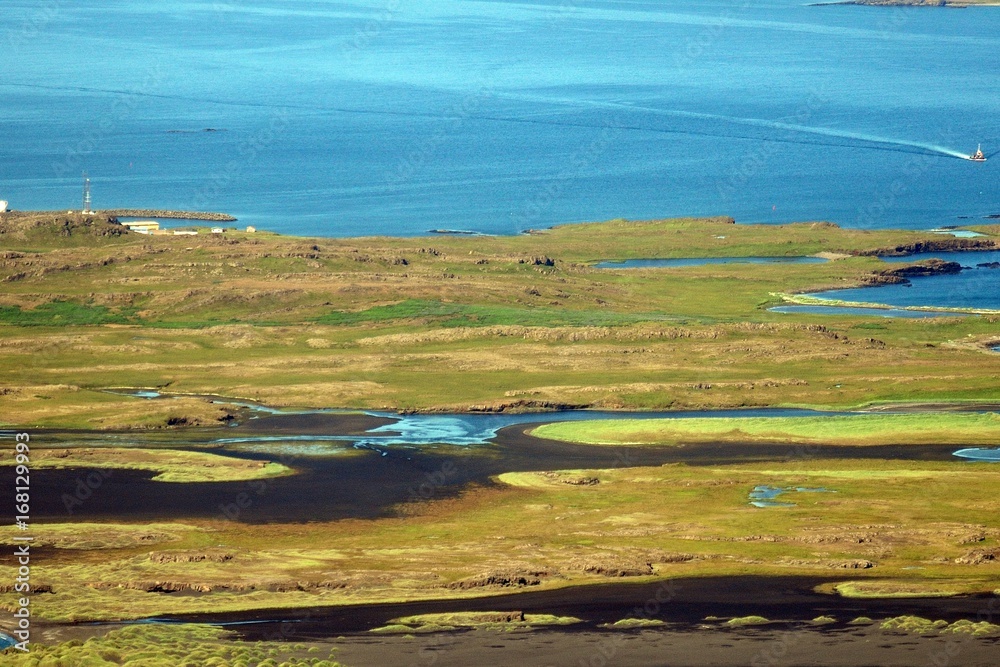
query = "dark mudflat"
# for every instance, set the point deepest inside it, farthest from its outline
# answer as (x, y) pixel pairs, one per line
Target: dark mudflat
(685, 601)
(769, 646)
(373, 483)
(312, 423)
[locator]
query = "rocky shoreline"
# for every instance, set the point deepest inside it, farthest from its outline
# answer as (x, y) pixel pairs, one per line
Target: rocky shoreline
(944, 245)
(175, 215)
(930, 267)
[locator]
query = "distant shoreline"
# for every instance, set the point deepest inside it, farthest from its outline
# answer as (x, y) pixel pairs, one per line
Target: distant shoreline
(960, 4)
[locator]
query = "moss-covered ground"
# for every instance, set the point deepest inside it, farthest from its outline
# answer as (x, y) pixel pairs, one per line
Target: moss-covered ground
(861, 429)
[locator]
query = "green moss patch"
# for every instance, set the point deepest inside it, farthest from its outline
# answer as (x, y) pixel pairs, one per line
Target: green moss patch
(170, 465)
(868, 429)
(496, 621)
(747, 620)
(923, 626)
(165, 646)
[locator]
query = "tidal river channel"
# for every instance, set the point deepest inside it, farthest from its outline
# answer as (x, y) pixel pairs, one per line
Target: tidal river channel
(364, 465)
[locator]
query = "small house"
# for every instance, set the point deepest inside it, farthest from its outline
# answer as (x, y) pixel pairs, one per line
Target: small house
(142, 226)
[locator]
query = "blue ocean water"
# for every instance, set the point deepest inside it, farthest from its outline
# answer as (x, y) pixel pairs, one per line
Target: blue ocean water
(357, 117)
(974, 287)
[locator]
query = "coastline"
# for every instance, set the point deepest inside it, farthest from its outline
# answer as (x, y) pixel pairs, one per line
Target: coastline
(807, 300)
(960, 4)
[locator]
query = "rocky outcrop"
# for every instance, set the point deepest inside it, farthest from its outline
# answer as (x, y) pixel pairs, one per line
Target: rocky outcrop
(195, 587)
(21, 224)
(942, 245)
(191, 557)
(928, 267)
(979, 557)
(516, 578)
(527, 405)
(615, 567)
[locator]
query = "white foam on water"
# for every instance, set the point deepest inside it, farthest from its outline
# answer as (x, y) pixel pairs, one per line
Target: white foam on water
(759, 122)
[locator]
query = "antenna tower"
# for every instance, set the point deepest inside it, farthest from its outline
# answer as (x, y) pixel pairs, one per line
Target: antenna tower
(86, 194)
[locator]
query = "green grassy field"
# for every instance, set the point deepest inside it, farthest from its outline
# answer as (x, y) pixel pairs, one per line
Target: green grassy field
(455, 322)
(870, 429)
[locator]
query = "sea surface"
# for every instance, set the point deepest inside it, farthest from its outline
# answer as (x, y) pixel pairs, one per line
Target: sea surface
(974, 287)
(387, 117)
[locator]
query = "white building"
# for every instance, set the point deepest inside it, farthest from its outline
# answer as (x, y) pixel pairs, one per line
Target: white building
(3, 206)
(143, 226)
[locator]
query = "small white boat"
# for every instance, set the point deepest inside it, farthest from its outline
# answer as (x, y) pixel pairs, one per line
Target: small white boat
(978, 155)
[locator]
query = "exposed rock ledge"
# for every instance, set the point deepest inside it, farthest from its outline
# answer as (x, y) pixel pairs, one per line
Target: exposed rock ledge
(929, 267)
(944, 245)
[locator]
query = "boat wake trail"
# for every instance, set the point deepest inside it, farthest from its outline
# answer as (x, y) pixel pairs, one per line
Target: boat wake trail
(882, 142)
(843, 134)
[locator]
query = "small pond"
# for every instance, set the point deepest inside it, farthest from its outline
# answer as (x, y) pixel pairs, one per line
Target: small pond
(870, 312)
(764, 496)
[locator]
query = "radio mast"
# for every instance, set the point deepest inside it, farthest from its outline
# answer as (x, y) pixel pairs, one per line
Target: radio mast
(86, 195)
